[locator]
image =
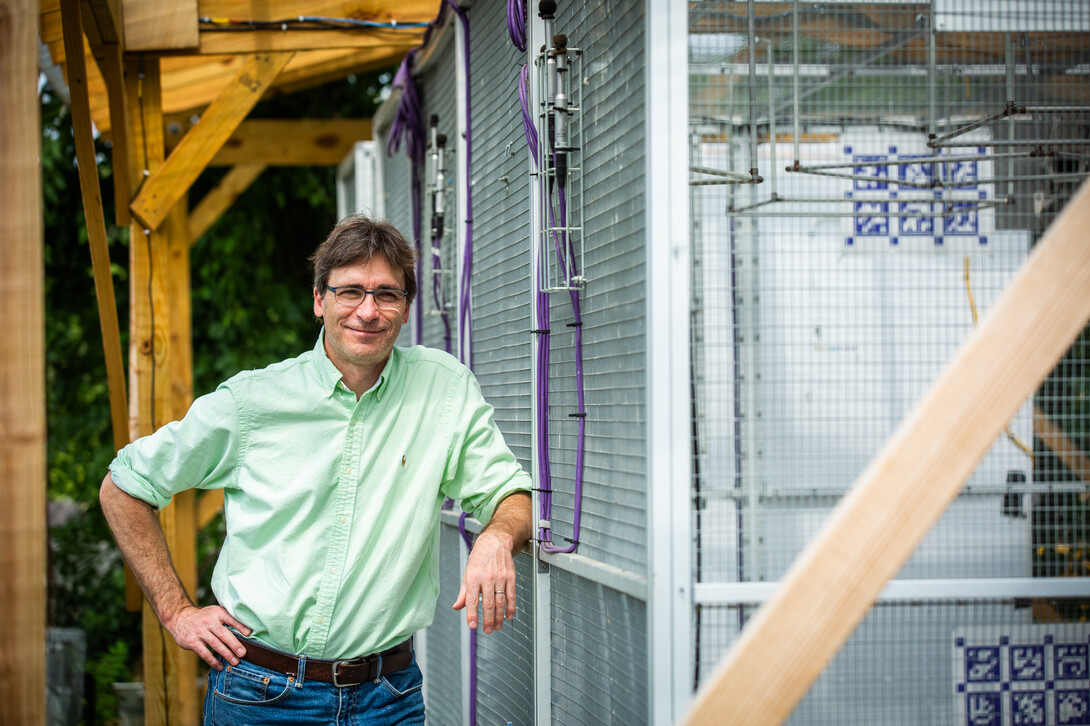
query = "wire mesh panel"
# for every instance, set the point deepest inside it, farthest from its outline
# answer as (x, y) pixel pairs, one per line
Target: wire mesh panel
(501, 221)
(600, 654)
(865, 180)
(443, 679)
(505, 686)
(613, 302)
(397, 202)
(438, 294)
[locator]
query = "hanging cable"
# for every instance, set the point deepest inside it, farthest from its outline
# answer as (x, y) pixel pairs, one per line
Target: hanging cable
(408, 124)
(972, 309)
(438, 206)
(465, 312)
(566, 262)
(302, 22)
(516, 23)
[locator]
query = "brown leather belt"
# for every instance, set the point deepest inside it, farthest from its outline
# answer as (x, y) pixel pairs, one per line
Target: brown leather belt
(338, 672)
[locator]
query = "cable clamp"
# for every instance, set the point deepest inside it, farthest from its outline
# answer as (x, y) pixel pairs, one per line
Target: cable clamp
(570, 540)
(542, 331)
(544, 524)
(575, 325)
(577, 415)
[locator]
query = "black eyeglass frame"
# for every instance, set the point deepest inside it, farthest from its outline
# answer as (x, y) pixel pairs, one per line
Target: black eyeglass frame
(385, 305)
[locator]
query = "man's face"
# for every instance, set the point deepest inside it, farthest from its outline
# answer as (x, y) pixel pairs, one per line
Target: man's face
(361, 338)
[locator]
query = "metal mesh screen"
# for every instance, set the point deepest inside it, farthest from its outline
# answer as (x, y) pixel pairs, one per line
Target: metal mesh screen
(501, 221)
(600, 654)
(962, 659)
(865, 180)
(614, 518)
(438, 96)
(397, 199)
(505, 685)
(443, 679)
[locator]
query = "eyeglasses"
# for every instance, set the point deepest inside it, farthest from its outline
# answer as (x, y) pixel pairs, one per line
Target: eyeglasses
(385, 298)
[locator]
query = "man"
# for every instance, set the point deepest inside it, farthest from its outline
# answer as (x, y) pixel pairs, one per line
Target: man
(335, 466)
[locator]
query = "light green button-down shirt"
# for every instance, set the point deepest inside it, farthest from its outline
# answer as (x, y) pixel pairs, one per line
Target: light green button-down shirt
(332, 504)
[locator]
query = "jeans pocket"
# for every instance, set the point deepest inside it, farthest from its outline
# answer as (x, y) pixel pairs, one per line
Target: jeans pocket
(403, 683)
(239, 685)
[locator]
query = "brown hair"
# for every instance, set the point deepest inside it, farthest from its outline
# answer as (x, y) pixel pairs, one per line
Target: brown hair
(358, 238)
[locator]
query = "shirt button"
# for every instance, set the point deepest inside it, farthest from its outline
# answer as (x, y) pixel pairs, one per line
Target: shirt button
(342, 520)
(333, 570)
(347, 471)
(321, 620)
(353, 422)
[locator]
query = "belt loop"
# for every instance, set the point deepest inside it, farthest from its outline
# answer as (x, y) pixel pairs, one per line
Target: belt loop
(300, 671)
(378, 673)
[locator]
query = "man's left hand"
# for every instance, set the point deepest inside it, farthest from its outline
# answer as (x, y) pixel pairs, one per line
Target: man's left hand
(490, 571)
(490, 578)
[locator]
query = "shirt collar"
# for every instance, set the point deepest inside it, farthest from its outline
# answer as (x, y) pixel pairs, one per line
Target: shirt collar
(329, 375)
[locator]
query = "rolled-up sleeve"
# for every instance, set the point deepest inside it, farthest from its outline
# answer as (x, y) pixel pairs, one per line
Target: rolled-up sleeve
(482, 471)
(200, 451)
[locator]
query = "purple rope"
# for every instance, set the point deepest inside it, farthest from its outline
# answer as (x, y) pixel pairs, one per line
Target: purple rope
(437, 293)
(516, 23)
(408, 124)
(472, 633)
(565, 254)
(465, 314)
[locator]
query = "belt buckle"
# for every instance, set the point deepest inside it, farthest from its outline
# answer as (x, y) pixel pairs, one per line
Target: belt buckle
(336, 665)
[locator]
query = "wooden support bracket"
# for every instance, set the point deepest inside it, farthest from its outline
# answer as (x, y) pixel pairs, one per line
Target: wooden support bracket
(908, 485)
(95, 219)
(172, 180)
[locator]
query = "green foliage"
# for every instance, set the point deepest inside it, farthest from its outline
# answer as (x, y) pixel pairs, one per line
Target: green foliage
(251, 306)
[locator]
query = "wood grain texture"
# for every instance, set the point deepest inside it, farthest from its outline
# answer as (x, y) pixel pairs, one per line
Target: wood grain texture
(22, 375)
(96, 222)
(908, 485)
(292, 142)
(170, 183)
(156, 25)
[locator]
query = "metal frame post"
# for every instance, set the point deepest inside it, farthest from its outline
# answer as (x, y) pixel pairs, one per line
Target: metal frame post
(669, 481)
(536, 37)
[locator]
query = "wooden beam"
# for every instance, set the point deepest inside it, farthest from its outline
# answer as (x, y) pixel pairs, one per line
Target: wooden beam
(155, 25)
(169, 694)
(22, 375)
(171, 182)
(181, 664)
(305, 142)
(95, 221)
(220, 199)
(908, 485)
(102, 22)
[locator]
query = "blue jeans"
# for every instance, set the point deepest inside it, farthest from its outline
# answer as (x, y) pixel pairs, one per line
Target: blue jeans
(249, 695)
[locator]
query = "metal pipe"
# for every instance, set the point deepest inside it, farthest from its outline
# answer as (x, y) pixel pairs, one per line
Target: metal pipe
(921, 160)
(931, 84)
(1008, 50)
(772, 125)
(795, 53)
(965, 205)
(752, 89)
(1003, 143)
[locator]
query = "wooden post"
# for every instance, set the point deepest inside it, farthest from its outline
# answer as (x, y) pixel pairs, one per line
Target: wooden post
(169, 672)
(908, 485)
(22, 375)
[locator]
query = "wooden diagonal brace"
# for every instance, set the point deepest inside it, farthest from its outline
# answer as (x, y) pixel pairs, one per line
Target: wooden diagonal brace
(95, 219)
(908, 485)
(220, 199)
(172, 180)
